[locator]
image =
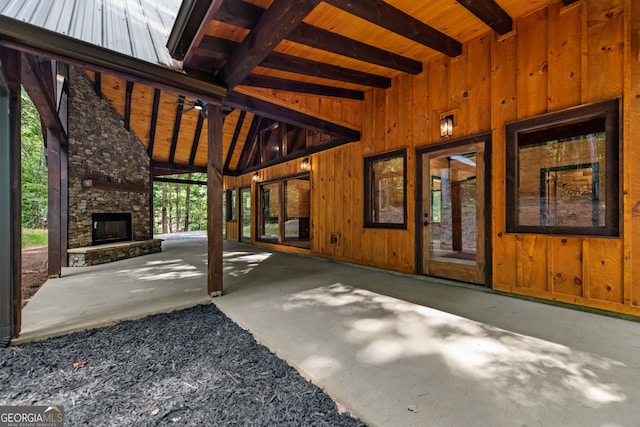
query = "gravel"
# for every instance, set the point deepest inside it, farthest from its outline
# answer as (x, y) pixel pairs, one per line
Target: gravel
(189, 367)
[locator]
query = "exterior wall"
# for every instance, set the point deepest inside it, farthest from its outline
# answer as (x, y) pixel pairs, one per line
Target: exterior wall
(557, 58)
(101, 148)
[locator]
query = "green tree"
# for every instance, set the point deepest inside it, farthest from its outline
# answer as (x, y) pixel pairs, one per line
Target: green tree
(34, 169)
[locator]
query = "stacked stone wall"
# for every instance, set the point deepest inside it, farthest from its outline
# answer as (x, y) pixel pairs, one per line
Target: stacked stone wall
(102, 149)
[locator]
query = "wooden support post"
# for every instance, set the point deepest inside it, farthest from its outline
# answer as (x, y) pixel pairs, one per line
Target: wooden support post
(214, 201)
(152, 213)
(10, 196)
(64, 203)
(54, 221)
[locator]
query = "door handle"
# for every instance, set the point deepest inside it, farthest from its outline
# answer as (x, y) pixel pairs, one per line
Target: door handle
(425, 223)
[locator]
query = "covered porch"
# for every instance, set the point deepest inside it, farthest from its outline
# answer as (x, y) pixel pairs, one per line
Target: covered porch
(393, 349)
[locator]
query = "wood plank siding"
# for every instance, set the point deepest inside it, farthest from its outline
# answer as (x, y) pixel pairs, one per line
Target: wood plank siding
(556, 58)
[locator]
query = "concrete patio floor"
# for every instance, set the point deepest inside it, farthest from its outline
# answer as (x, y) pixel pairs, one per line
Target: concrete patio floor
(395, 350)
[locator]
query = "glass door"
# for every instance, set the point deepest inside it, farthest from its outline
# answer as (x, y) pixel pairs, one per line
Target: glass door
(453, 214)
(245, 214)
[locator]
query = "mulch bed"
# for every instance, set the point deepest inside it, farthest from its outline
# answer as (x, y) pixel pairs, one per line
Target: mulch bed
(189, 367)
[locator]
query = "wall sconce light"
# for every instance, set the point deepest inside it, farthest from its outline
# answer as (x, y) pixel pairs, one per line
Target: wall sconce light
(255, 177)
(305, 165)
(446, 127)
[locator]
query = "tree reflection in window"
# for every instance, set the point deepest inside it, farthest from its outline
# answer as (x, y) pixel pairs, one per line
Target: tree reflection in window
(385, 192)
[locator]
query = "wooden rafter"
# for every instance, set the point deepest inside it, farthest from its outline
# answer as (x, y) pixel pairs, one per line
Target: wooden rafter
(154, 122)
(190, 26)
(247, 15)
(127, 105)
(295, 64)
(568, 2)
(176, 128)
(332, 143)
(196, 139)
(276, 112)
(268, 82)
(489, 12)
(220, 48)
(248, 142)
(180, 181)
(97, 83)
(386, 16)
(274, 26)
(234, 140)
(165, 168)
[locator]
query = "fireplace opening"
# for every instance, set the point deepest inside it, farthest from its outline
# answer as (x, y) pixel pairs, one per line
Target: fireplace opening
(110, 228)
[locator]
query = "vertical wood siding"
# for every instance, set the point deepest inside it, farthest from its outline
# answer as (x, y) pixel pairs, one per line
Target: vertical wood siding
(557, 58)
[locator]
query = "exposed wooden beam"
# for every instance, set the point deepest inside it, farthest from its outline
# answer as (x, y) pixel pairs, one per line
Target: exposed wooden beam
(386, 16)
(176, 128)
(332, 143)
(164, 168)
(39, 41)
(97, 83)
(295, 64)
(568, 2)
(248, 142)
(114, 186)
(220, 48)
(489, 12)
(247, 15)
(154, 122)
(276, 112)
(127, 105)
(332, 42)
(214, 202)
(274, 26)
(180, 181)
(234, 139)
(34, 84)
(190, 26)
(196, 139)
(268, 82)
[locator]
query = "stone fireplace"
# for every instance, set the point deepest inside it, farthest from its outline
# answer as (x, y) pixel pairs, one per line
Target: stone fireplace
(110, 228)
(109, 181)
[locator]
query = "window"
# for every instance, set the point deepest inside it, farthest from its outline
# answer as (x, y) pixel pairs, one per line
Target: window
(563, 172)
(285, 210)
(270, 218)
(385, 190)
(231, 205)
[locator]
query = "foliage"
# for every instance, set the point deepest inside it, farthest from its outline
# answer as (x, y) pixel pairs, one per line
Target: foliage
(175, 204)
(34, 169)
(34, 237)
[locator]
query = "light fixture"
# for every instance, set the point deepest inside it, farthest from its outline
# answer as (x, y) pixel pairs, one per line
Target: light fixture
(305, 165)
(255, 177)
(446, 127)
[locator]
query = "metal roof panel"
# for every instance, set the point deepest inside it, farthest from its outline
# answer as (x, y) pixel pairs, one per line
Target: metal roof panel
(138, 28)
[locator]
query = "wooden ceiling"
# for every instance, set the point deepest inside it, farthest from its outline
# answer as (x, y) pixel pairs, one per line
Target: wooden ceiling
(274, 53)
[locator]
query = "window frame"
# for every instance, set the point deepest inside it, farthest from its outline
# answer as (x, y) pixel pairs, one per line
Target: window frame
(573, 122)
(282, 203)
(368, 188)
(232, 208)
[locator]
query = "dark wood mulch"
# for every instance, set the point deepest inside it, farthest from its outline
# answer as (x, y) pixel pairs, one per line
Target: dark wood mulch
(189, 367)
